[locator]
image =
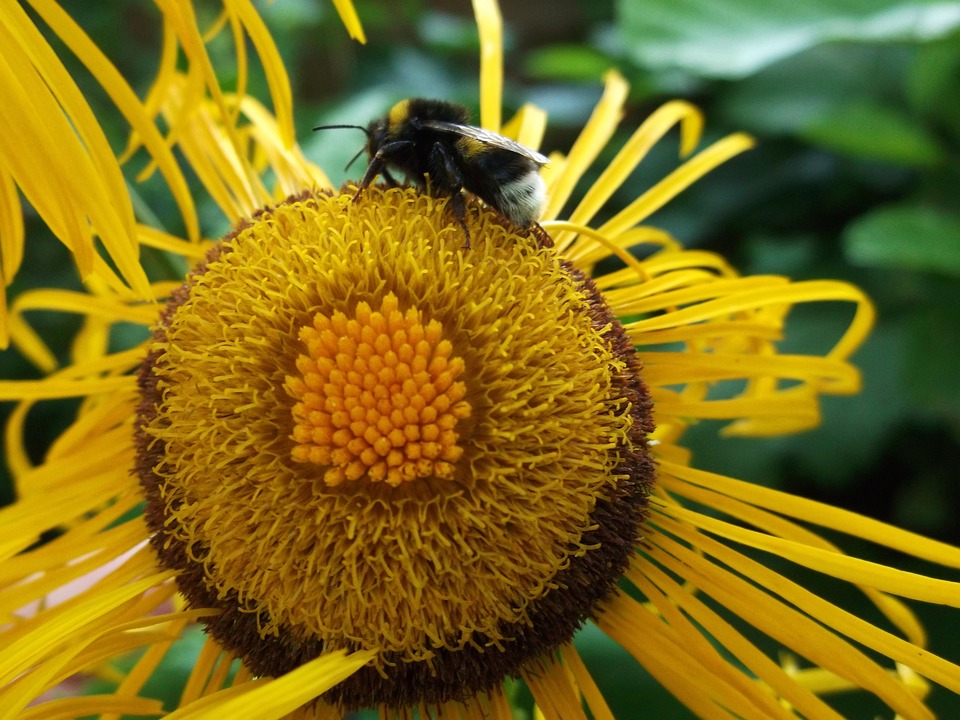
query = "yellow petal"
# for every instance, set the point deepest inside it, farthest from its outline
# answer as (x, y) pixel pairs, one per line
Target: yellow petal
(677, 181)
(273, 698)
(645, 575)
(527, 126)
(71, 142)
(783, 623)
(591, 693)
(593, 138)
(553, 691)
(650, 132)
(276, 72)
(860, 572)
(825, 613)
(127, 102)
(11, 229)
(490, 27)
(824, 515)
(63, 625)
(68, 708)
(348, 16)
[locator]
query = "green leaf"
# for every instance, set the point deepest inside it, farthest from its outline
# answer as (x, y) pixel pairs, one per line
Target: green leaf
(576, 63)
(907, 237)
(789, 96)
(872, 132)
(735, 38)
(933, 83)
(934, 346)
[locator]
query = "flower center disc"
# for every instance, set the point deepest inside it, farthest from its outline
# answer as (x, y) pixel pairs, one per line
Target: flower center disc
(377, 397)
(357, 432)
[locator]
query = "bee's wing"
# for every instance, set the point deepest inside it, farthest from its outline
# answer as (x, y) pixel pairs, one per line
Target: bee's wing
(485, 136)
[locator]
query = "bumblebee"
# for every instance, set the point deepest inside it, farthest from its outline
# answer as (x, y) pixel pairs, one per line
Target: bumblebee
(432, 143)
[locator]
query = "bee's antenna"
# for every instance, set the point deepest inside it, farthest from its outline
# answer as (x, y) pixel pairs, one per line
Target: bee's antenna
(354, 159)
(347, 127)
(342, 127)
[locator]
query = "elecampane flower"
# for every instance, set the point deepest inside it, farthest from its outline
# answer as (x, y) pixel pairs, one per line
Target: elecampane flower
(388, 469)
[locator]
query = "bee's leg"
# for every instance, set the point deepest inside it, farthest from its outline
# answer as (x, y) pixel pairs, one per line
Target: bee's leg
(378, 165)
(444, 162)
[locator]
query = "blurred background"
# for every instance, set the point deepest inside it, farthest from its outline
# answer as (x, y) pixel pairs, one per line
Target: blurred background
(856, 107)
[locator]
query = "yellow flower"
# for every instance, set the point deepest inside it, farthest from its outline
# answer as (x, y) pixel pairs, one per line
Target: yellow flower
(387, 469)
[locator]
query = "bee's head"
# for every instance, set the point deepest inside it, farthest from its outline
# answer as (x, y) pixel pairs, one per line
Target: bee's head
(377, 133)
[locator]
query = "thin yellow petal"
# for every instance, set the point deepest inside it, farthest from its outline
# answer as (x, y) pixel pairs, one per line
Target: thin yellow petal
(553, 691)
(4, 332)
(91, 340)
(127, 102)
(348, 16)
(240, 48)
(11, 228)
(183, 21)
(593, 138)
(107, 473)
(191, 120)
(81, 539)
(111, 412)
(784, 624)
(767, 521)
(154, 238)
(47, 162)
(69, 708)
(594, 246)
(672, 368)
(18, 460)
(591, 693)
(113, 543)
(657, 647)
(95, 164)
(24, 521)
(860, 572)
(64, 625)
(275, 697)
(48, 389)
(650, 132)
(703, 649)
(293, 171)
(584, 231)
(91, 423)
(677, 181)
(490, 28)
(665, 262)
(276, 72)
(744, 650)
(798, 409)
(213, 151)
(18, 694)
(527, 126)
(96, 656)
(105, 309)
(199, 683)
(68, 301)
(824, 515)
(827, 614)
(745, 294)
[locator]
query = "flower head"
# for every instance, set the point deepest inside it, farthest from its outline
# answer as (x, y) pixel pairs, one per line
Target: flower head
(385, 467)
(458, 436)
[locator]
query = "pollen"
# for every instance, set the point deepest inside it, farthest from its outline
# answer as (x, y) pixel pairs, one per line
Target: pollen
(378, 396)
